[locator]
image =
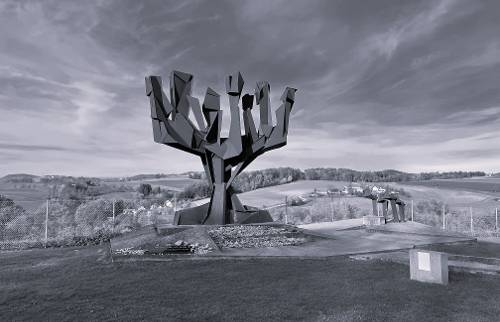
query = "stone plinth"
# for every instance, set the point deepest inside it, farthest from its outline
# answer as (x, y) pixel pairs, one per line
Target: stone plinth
(428, 266)
(373, 220)
(196, 215)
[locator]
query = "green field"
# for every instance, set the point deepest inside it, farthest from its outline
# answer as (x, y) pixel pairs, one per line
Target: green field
(484, 184)
(28, 198)
(175, 183)
(80, 284)
(33, 195)
(456, 192)
(427, 199)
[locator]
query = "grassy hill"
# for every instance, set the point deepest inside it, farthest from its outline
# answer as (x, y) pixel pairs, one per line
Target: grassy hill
(456, 195)
(457, 192)
(30, 191)
(478, 184)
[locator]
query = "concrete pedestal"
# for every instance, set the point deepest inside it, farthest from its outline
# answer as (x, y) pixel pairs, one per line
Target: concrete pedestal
(373, 220)
(428, 266)
(196, 215)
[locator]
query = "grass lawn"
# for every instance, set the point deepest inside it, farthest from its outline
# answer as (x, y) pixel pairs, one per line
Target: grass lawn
(78, 284)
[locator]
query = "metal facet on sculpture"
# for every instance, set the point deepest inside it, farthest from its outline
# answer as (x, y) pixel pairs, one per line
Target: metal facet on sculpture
(223, 158)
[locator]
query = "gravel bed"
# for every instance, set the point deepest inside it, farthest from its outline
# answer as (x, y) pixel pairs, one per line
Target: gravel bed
(255, 236)
(180, 247)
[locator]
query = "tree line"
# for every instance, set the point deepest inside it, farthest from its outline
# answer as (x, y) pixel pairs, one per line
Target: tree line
(342, 174)
(251, 180)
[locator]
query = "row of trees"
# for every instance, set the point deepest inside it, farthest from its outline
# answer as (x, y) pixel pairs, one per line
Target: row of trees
(450, 175)
(263, 178)
(251, 180)
(246, 181)
(341, 174)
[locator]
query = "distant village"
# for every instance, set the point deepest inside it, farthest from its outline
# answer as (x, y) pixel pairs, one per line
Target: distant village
(352, 190)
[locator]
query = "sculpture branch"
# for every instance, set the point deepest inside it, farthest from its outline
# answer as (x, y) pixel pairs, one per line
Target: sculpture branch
(171, 125)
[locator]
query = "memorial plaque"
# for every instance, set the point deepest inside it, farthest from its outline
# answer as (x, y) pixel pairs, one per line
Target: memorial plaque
(424, 261)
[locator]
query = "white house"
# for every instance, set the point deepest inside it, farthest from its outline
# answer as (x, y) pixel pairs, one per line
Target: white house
(378, 190)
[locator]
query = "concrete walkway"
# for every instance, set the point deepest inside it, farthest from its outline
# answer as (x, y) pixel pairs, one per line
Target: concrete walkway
(326, 227)
(348, 242)
(495, 240)
(325, 240)
(411, 227)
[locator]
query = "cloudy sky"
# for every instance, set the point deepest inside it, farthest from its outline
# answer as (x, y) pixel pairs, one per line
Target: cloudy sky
(410, 85)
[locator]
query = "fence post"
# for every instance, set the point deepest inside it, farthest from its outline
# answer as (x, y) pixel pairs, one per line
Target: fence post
(412, 210)
(471, 221)
(46, 222)
(113, 228)
(332, 209)
(496, 220)
(444, 217)
(286, 210)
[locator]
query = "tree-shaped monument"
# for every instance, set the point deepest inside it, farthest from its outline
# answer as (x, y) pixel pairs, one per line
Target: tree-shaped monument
(223, 158)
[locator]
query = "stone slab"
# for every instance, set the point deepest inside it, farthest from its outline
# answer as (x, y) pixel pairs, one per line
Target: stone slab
(195, 215)
(373, 220)
(429, 266)
(325, 227)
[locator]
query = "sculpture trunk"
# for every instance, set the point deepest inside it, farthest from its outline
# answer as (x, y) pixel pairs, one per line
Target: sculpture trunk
(218, 213)
(219, 208)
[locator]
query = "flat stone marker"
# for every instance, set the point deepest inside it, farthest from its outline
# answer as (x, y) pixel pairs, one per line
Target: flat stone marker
(428, 266)
(373, 220)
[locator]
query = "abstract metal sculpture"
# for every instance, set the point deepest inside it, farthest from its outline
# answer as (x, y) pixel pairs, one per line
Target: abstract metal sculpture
(385, 199)
(223, 158)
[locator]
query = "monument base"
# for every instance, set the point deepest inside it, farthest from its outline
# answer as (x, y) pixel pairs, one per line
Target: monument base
(373, 220)
(196, 215)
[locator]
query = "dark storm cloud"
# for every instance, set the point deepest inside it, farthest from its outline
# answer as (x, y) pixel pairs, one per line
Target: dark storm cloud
(378, 80)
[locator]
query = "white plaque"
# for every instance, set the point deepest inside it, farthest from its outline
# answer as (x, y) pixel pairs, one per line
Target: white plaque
(424, 261)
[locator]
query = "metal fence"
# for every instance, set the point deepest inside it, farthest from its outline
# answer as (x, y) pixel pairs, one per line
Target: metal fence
(57, 222)
(471, 220)
(474, 221)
